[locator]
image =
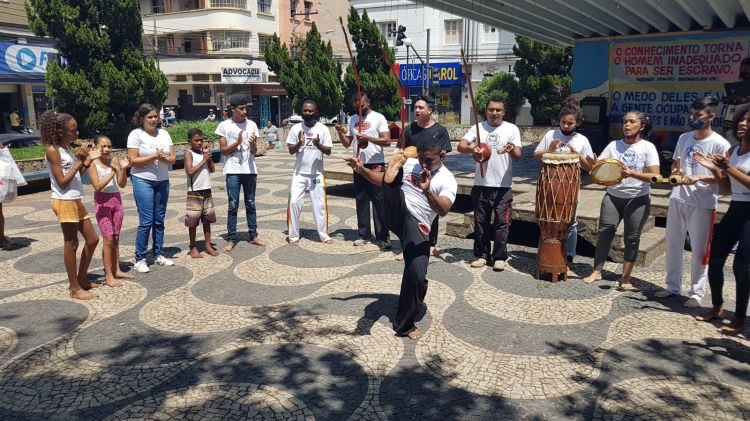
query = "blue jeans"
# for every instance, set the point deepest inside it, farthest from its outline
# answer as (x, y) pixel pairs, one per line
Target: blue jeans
(151, 199)
(247, 182)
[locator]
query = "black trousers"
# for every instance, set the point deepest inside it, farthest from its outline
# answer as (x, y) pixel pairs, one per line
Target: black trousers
(365, 194)
(492, 216)
(734, 226)
(415, 241)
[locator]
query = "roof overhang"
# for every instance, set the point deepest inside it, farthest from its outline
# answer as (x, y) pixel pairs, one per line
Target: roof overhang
(562, 22)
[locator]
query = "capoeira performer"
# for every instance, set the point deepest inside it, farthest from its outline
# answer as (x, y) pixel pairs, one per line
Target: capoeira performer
(734, 226)
(692, 207)
(415, 190)
(309, 140)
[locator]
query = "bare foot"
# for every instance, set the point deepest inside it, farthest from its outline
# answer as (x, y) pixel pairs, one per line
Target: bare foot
(595, 276)
(88, 285)
(81, 294)
(328, 241)
(414, 334)
(397, 161)
(434, 251)
(230, 245)
(400, 256)
(194, 253)
(714, 313)
(123, 275)
(257, 241)
(626, 286)
(733, 328)
(294, 243)
(112, 282)
(212, 251)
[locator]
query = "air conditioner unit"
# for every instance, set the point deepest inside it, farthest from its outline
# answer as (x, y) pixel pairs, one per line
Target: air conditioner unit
(264, 77)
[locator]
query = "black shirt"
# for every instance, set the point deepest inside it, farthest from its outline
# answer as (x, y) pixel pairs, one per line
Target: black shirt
(415, 134)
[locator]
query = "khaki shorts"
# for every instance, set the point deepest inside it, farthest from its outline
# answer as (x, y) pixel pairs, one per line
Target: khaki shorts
(69, 211)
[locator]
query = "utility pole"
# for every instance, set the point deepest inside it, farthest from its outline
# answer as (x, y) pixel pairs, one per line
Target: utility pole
(156, 44)
(428, 76)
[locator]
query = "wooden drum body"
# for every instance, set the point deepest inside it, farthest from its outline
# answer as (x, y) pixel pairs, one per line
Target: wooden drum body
(556, 201)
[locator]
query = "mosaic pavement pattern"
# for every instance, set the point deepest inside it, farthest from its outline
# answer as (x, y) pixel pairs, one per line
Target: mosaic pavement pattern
(303, 333)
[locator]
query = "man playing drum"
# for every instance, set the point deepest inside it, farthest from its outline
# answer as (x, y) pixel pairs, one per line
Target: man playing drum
(567, 139)
(491, 194)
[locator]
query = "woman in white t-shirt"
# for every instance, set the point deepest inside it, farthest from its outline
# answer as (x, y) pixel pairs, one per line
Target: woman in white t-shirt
(151, 153)
(567, 139)
(734, 226)
(630, 199)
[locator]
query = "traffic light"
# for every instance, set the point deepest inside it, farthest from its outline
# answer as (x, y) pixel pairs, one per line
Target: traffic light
(400, 35)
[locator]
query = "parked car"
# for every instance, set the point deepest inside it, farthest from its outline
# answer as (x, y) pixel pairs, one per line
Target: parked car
(17, 140)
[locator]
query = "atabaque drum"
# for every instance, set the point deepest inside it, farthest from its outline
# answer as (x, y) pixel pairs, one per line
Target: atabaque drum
(556, 201)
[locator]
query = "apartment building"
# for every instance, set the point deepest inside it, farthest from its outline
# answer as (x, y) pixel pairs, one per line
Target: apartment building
(23, 64)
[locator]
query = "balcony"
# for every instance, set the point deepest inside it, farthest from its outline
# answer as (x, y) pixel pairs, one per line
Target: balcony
(265, 7)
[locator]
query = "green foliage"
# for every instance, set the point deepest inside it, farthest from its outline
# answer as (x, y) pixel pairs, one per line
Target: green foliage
(28, 152)
(375, 75)
(178, 131)
(104, 77)
(308, 71)
(506, 86)
(544, 74)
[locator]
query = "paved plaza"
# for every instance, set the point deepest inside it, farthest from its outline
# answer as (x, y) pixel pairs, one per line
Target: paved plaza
(282, 332)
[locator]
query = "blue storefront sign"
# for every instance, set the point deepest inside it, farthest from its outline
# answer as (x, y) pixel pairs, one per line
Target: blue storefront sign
(446, 74)
(23, 62)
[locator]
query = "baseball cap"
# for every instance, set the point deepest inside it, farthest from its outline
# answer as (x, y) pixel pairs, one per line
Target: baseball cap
(238, 99)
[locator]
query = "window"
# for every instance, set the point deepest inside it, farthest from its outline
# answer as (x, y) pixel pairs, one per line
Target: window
(201, 93)
(229, 40)
(237, 4)
(294, 5)
(490, 34)
(216, 77)
(180, 78)
(157, 6)
(187, 46)
(264, 6)
(200, 78)
(454, 31)
(308, 9)
(388, 29)
(262, 41)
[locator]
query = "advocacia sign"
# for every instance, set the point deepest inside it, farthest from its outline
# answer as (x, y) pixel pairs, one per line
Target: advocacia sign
(240, 75)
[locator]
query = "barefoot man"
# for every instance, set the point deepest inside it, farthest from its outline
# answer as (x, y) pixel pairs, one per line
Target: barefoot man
(414, 192)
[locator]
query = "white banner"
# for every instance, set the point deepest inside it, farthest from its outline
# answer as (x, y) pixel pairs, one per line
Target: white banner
(240, 75)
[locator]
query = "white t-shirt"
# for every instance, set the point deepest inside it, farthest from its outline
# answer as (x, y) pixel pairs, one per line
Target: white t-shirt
(442, 184)
(375, 123)
(75, 187)
(579, 142)
(309, 157)
(148, 145)
(637, 157)
(740, 193)
(497, 171)
(241, 161)
(701, 194)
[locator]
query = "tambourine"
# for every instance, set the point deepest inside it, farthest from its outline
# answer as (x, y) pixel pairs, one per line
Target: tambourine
(485, 155)
(607, 171)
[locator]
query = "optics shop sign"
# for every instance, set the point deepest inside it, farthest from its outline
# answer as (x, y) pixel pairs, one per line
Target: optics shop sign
(240, 75)
(446, 74)
(662, 77)
(24, 60)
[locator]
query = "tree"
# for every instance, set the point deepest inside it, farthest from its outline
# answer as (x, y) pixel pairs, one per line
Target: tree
(309, 71)
(374, 74)
(504, 85)
(102, 76)
(544, 74)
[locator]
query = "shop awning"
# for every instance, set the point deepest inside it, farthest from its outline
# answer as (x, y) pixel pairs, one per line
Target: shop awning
(561, 22)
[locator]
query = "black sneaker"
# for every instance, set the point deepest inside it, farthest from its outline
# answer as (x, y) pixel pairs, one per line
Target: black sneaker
(570, 259)
(385, 245)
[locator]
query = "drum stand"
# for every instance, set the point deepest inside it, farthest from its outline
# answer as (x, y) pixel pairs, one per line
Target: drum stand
(551, 259)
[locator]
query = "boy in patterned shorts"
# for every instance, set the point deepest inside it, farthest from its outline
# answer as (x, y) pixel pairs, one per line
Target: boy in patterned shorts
(200, 204)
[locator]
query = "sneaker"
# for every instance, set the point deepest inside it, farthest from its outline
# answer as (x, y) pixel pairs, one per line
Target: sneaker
(163, 261)
(692, 303)
(141, 266)
(499, 265)
(361, 242)
(570, 259)
(663, 294)
(479, 262)
(385, 245)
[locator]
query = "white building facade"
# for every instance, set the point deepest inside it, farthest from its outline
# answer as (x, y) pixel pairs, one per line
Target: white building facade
(211, 49)
(489, 50)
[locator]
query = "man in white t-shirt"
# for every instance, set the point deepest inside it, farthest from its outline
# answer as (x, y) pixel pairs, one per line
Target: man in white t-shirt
(371, 137)
(692, 207)
(309, 140)
(491, 195)
(237, 137)
(415, 190)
